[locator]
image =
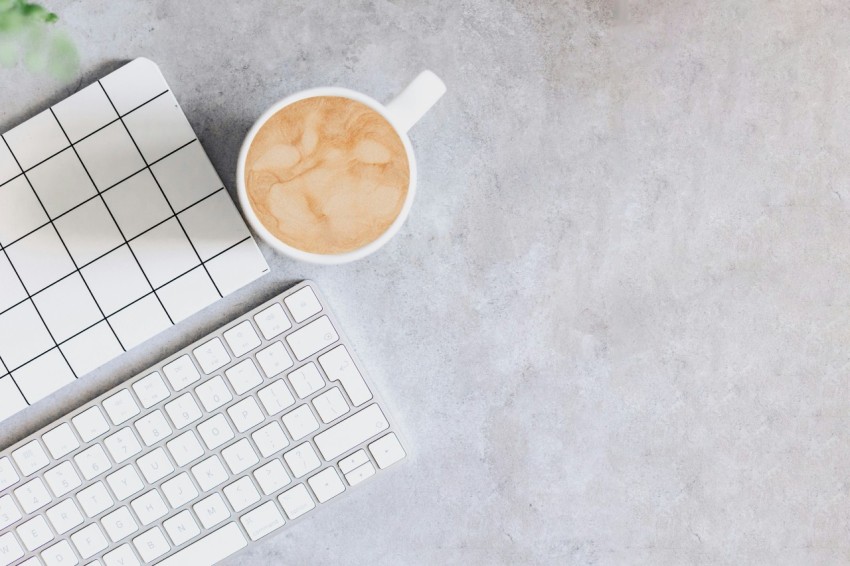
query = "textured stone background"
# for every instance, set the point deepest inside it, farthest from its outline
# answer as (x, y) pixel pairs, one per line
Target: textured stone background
(616, 324)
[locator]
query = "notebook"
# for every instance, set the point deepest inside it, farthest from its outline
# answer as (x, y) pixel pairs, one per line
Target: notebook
(113, 227)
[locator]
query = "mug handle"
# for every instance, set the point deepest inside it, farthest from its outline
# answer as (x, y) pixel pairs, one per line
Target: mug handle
(414, 101)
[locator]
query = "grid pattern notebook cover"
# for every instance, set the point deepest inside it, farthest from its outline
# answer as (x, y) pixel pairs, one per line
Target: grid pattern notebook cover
(113, 227)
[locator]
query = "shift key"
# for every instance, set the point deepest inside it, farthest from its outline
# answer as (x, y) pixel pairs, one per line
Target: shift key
(358, 428)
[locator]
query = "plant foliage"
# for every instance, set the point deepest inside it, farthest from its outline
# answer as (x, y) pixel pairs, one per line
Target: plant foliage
(26, 34)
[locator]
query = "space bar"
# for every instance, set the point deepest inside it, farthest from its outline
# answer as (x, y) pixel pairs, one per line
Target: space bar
(210, 549)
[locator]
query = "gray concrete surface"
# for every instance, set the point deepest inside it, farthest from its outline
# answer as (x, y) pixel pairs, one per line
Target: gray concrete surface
(616, 324)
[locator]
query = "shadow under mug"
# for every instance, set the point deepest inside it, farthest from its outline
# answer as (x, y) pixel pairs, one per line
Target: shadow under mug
(402, 113)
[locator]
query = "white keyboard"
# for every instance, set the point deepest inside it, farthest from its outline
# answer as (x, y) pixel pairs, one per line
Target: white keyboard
(241, 433)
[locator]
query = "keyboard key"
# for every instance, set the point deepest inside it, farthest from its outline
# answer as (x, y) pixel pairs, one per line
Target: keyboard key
(303, 304)
(270, 439)
(242, 339)
(9, 512)
(240, 456)
(300, 422)
(272, 477)
(122, 445)
(183, 410)
(330, 405)
(211, 356)
(64, 516)
(276, 397)
(233, 461)
(30, 458)
(150, 506)
(272, 321)
(34, 533)
(181, 373)
(90, 424)
(10, 549)
(60, 441)
(62, 479)
(274, 359)
(125, 482)
(179, 490)
(153, 427)
(89, 541)
(215, 431)
(8, 475)
(296, 501)
(94, 499)
(60, 554)
(306, 380)
(211, 510)
(181, 527)
(209, 473)
(347, 434)
(243, 376)
(155, 465)
(119, 524)
(92, 461)
(121, 407)
(151, 390)
(210, 549)
(32, 495)
(151, 544)
(213, 393)
(245, 414)
(387, 450)
(360, 473)
(121, 556)
(262, 520)
(326, 484)
(339, 366)
(242, 494)
(185, 448)
(302, 459)
(312, 338)
(349, 463)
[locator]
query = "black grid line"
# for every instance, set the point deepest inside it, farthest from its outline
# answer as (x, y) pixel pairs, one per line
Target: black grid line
(107, 189)
(154, 290)
(128, 305)
(120, 231)
(14, 382)
(61, 239)
(70, 256)
(90, 134)
(49, 332)
(145, 160)
(118, 247)
(67, 251)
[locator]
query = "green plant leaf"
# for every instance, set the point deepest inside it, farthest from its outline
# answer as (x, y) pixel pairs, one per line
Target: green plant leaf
(9, 52)
(37, 12)
(24, 35)
(62, 59)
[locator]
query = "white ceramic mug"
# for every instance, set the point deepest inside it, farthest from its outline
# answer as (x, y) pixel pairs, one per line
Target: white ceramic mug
(402, 113)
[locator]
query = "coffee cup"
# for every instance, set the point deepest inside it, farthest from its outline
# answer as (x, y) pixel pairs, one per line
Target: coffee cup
(402, 113)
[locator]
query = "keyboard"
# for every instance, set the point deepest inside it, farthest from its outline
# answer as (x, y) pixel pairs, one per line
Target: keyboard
(245, 431)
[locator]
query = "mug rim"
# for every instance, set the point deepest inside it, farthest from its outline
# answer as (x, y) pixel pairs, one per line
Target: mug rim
(296, 253)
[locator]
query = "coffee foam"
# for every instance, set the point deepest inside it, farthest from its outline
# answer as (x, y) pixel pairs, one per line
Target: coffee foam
(327, 175)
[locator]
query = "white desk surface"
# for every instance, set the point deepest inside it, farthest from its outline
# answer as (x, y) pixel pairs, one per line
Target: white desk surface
(615, 324)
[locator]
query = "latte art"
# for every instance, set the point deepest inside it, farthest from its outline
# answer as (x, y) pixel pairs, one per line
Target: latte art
(327, 175)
